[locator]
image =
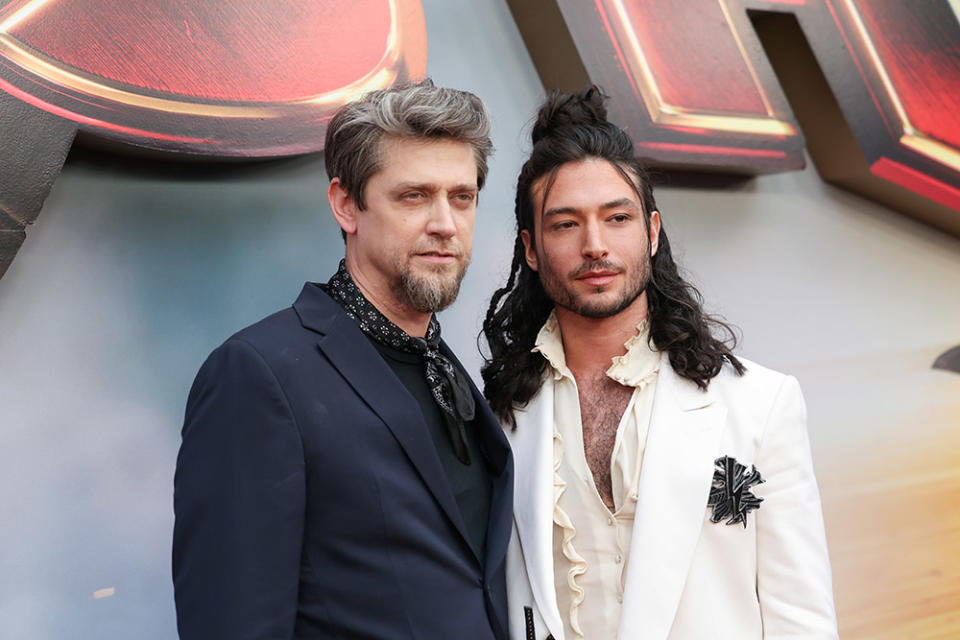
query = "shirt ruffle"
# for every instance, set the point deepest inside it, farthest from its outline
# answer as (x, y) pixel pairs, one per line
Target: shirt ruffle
(639, 363)
(638, 367)
(578, 565)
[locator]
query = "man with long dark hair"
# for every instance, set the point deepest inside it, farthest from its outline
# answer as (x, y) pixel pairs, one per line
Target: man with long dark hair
(664, 486)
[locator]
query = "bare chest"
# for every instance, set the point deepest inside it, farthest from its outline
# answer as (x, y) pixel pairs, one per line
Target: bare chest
(602, 403)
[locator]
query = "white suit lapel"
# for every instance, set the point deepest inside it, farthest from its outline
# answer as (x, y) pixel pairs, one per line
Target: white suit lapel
(682, 443)
(532, 444)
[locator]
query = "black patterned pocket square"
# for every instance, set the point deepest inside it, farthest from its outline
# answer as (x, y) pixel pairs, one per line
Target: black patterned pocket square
(730, 494)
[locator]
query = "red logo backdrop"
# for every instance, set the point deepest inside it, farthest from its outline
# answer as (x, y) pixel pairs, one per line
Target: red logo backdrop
(870, 88)
(874, 85)
(205, 77)
(214, 77)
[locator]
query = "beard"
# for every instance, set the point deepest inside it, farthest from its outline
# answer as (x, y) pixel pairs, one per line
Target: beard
(635, 283)
(431, 289)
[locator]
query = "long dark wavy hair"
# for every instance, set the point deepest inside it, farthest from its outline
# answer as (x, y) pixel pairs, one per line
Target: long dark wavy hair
(571, 128)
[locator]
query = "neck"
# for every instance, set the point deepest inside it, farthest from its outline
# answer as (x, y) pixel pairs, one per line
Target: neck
(380, 295)
(590, 343)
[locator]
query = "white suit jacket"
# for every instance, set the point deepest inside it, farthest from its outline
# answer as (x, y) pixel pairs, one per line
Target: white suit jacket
(689, 578)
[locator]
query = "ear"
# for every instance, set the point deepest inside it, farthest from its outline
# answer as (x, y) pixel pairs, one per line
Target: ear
(654, 229)
(530, 252)
(343, 206)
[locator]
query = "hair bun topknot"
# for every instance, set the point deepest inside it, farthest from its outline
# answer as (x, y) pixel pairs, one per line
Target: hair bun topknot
(563, 110)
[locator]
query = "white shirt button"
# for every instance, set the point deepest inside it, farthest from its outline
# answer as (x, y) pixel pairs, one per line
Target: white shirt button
(610, 521)
(619, 558)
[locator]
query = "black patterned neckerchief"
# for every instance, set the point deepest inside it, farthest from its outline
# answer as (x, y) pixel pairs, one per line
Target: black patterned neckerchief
(448, 385)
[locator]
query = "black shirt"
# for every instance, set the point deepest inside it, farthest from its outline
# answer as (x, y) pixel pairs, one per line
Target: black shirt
(470, 483)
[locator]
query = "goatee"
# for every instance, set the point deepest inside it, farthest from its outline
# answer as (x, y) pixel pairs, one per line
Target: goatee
(429, 293)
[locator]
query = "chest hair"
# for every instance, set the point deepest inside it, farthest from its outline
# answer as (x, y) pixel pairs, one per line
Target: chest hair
(602, 403)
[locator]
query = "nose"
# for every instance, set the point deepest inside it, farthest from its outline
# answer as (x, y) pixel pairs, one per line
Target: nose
(441, 222)
(594, 242)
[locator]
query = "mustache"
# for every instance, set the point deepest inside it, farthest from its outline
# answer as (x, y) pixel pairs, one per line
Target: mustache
(596, 265)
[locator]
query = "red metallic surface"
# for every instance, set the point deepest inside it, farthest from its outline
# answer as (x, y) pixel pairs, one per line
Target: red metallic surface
(250, 78)
(264, 51)
(920, 51)
(691, 83)
(99, 124)
(864, 75)
(917, 181)
(622, 62)
(712, 150)
(692, 51)
(688, 80)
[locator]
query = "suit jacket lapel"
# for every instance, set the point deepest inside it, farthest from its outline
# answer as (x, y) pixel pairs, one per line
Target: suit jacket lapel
(496, 450)
(501, 498)
(684, 437)
(363, 368)
(533, 500)
(500, 522)
(499, 458)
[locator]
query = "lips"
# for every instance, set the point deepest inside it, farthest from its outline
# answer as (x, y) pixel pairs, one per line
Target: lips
(598, 278)
(438, 257)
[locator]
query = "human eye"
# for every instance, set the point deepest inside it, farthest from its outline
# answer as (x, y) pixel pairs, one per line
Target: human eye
(465, 198)
(621, 218)
(564, 225)
(412, 196)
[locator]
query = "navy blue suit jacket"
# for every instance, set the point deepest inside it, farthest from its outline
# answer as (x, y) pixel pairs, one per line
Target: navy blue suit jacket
(310, 500)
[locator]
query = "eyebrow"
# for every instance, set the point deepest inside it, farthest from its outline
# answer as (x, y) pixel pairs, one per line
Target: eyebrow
(613, 204)
(429, 186)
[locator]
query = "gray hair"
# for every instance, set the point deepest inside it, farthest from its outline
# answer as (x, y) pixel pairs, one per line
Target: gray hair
(352, 148)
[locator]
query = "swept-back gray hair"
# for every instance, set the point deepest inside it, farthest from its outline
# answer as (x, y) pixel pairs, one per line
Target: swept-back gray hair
(352, 148)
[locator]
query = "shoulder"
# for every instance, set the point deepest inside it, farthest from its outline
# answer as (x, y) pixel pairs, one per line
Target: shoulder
(756, 379)
(296, 327)
(257, 342)
(280, 343)
(251, 348)
(533, 416)
(309, 317)
(269, 332)
(757, 392)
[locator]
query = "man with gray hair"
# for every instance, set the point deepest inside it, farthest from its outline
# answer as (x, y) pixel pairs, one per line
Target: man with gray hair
(340, 476)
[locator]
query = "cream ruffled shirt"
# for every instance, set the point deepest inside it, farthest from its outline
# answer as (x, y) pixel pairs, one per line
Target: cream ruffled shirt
(591, 544)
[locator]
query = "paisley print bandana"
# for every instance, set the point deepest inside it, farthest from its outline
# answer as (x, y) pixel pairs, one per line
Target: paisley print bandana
(448, 385)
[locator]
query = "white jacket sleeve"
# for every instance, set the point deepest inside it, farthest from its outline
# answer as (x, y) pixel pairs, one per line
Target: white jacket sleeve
(794, 582)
